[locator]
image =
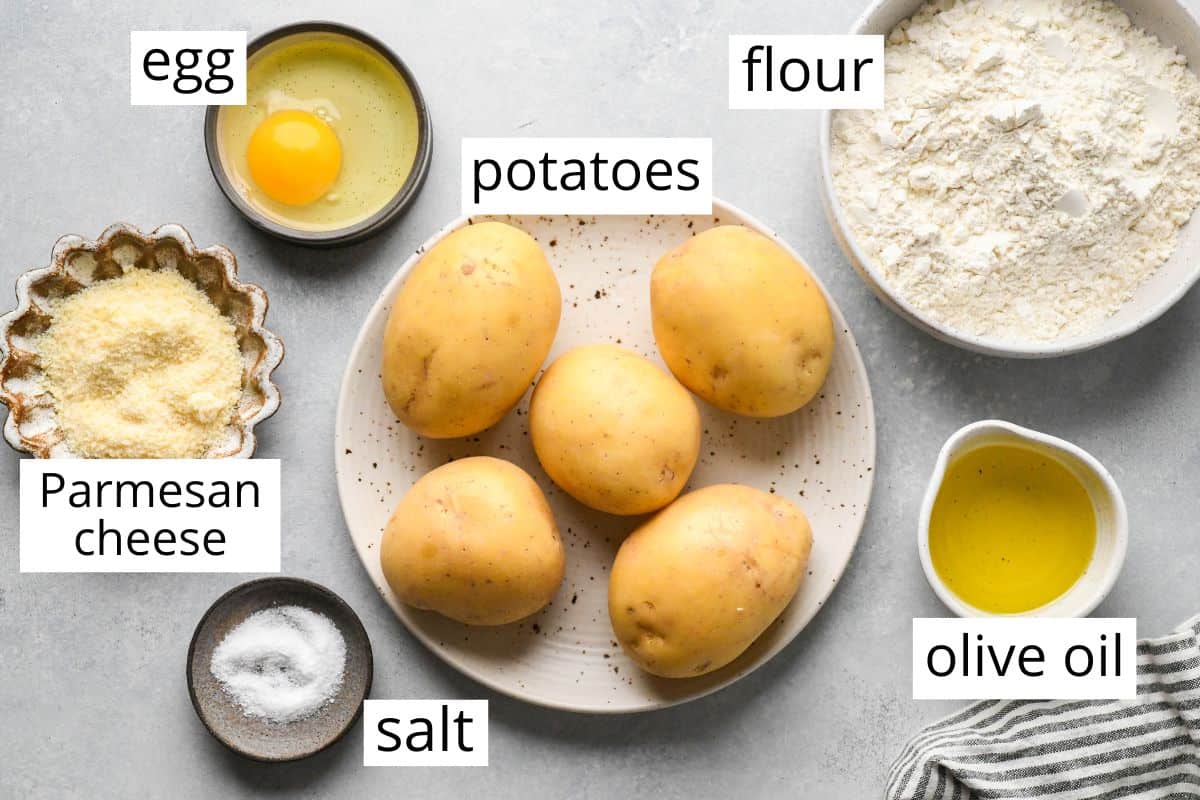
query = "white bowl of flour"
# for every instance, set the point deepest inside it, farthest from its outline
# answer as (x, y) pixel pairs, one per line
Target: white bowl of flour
(1028, 189)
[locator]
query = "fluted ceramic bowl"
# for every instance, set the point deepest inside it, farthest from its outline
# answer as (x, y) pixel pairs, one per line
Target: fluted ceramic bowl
(77, 263)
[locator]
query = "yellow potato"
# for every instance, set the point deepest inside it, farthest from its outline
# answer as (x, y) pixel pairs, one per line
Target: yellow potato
(474, 540)
(692, 588)
(469, 330)
(613, 430)
(741, 322)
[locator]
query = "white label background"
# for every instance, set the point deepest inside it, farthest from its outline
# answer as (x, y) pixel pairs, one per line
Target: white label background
(1055, 636)
(475, 733)
(252, 535)
(810, 49)
(539, 200)
(143, 91)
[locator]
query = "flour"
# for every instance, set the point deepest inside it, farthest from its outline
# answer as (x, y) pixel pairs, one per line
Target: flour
(1031, 168)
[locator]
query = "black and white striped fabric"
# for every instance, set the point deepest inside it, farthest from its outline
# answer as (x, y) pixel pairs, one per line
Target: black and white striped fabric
(1070, 750)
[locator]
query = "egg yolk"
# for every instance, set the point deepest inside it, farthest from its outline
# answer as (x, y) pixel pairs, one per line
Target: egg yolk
(294, 157)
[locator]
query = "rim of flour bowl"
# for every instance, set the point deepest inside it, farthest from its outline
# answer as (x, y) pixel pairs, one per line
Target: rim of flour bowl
(1104, 333)
(363, 229)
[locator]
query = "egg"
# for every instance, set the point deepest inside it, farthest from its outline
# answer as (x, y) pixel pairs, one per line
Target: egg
(328, 137)
(294, 157)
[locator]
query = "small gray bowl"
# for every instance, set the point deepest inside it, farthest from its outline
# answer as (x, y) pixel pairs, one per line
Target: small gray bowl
(255, 738)
(373, 224)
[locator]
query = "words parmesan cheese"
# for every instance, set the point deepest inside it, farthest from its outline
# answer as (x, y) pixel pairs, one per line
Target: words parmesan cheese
(141, 366)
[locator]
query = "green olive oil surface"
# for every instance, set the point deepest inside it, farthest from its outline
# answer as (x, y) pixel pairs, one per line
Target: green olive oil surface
(1012, 529)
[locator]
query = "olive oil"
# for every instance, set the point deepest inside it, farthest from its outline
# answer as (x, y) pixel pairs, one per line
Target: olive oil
(1012, 529)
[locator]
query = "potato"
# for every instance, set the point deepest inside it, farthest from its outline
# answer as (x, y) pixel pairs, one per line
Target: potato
(474, 540)
(469, 330)
(613, 430)
(692, 588)
(741, 322)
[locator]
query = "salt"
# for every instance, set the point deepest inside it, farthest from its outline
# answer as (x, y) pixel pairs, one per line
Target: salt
(281, 664)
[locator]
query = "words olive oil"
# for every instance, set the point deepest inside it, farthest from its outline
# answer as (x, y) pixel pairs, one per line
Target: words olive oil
(1011, 530)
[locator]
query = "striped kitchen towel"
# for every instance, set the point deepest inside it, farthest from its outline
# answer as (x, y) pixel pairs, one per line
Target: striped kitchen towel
(1070, 750)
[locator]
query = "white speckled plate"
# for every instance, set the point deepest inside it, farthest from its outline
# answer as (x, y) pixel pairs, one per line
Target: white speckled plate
(821, 457)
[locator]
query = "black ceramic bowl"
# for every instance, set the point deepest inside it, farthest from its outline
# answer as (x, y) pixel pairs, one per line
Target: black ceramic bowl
(257, 738)
(372, 224)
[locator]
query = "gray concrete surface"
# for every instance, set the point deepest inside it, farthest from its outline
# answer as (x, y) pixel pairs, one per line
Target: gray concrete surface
(92, 694)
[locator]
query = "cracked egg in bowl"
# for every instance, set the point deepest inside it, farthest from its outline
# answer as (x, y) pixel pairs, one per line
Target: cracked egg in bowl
(333, 141)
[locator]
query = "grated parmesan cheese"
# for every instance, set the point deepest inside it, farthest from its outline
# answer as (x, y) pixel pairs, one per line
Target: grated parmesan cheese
(141, 366)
